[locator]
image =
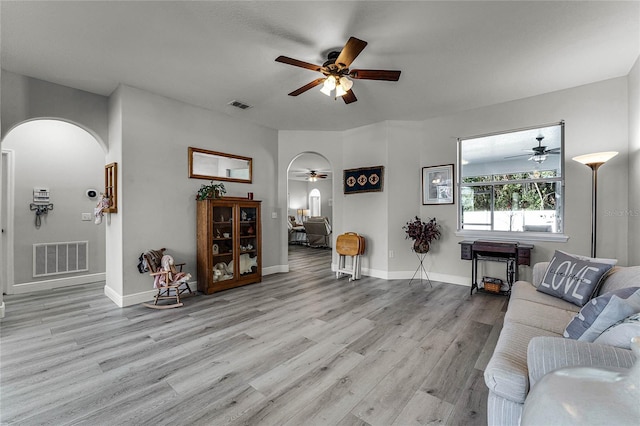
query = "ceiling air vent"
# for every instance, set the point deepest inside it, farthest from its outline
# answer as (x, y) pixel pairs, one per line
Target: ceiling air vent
(239, 104)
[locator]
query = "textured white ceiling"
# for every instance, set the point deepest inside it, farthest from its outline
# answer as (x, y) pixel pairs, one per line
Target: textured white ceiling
(453, 55)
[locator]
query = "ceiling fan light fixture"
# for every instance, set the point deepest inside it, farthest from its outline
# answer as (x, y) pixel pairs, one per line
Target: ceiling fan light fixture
(326, 90)
(539, 158)
(340, 91)
(330, 82)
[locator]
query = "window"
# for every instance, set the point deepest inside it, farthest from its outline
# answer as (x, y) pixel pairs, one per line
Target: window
(512, 181)
(314, 202)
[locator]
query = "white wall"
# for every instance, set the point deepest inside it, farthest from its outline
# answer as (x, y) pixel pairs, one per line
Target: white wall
(634, 165)
(157, 199)
(25, 98)
(114, 287)
(298, 197)
(367, 213)
(596, 120)
(150, 134)
(403, 179)
(67, 160)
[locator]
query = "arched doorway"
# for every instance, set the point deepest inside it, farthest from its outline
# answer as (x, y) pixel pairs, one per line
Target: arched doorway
(62, 246)
(309, 193)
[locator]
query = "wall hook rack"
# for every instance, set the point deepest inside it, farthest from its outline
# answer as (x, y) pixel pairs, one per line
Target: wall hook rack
(40, 209)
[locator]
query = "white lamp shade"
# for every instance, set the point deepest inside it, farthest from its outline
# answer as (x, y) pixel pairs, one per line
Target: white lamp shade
(330, 82)
(326, 90)
(346, 83)
(595, 158)
(340, 91)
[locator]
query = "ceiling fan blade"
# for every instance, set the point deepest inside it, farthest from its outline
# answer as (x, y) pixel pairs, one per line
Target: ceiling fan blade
(297, 63)
(350, 51)
(521, 155)
(349, 97)
(306, 87)
(375, 75)
(553, 151)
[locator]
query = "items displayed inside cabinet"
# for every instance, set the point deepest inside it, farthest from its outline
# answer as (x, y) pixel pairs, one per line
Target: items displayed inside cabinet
(222, 248)
(248, 243)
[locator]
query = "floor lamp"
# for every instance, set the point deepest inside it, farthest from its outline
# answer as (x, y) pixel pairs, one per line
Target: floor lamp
(594, 161)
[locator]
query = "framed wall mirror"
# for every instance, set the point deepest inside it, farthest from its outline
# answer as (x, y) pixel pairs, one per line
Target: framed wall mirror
(212, 165)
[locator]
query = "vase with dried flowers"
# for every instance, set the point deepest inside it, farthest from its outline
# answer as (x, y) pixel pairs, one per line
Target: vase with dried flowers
(422, 233)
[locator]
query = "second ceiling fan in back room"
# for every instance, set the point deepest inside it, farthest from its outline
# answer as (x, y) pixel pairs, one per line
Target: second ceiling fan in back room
(313, 175)
(538, 153)
(337, 74)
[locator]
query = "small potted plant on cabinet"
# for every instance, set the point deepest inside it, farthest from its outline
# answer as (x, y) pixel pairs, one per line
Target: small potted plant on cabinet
(213, 190)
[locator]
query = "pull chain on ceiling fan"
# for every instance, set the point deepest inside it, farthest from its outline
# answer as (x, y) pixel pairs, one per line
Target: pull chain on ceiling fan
(337, 75)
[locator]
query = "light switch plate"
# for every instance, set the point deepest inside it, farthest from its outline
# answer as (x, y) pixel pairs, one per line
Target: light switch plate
(274, 215)
(86, 216)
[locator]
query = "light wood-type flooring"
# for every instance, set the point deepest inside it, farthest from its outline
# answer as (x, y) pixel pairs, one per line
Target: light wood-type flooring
(297, 349)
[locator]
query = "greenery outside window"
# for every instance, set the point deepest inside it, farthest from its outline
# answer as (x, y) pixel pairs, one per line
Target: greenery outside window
(512, 181)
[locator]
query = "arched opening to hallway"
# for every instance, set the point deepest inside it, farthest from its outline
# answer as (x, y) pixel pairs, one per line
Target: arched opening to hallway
(309, 195)
(61, 246)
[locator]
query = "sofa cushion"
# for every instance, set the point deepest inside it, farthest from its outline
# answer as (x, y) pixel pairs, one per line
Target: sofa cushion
(602, 312)
(621, 277)
(621, 333)
(546, 354)
(506, 374)
(545, 317)
(502, 411)
(572, 279)
(524, 290)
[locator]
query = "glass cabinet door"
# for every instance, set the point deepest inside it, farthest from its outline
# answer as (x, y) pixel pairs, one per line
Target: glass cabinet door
(223, 243)
(248, 240)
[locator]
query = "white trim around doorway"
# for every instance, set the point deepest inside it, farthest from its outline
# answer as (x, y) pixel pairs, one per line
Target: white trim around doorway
(9, 197)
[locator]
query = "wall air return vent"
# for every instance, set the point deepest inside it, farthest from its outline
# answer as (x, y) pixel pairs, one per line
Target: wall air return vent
(60, 258)
(239, 104)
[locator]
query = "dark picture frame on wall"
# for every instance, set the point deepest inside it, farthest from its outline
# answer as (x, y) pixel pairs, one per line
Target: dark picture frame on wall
(437, 185)
(363, 179)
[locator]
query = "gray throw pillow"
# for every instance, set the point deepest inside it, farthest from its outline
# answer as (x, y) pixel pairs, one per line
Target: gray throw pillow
(621, 333)
(572, 279)
(602, 312)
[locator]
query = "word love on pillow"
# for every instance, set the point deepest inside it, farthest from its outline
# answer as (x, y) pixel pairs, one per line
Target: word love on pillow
(571, 278)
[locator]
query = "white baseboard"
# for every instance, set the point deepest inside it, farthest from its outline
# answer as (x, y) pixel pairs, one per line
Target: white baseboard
(407, 275)
(56, 283)
(275, 269)
(136, 298)
(147, 296)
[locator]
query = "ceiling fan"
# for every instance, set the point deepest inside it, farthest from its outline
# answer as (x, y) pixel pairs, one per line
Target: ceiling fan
(336, 72)
(313, 175)
(538, 153)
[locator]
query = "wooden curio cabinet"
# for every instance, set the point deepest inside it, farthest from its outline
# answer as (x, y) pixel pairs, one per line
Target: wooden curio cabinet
(229, 243)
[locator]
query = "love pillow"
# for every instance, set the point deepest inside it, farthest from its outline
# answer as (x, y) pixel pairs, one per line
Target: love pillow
(572, 279)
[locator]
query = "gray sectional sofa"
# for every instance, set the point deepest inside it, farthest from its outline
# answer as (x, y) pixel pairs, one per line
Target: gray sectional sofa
(531, 343)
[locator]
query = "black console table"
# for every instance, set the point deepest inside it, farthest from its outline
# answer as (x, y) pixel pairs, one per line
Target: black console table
(511, 253)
